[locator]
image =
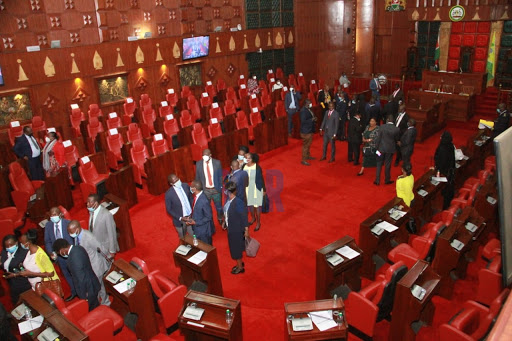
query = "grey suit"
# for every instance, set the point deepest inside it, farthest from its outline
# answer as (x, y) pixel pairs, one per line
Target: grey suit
(330, 128)
(99, 264)
(104, 229)
(386, 144)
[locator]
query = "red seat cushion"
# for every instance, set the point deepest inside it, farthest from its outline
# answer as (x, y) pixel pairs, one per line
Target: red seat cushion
(99, 314)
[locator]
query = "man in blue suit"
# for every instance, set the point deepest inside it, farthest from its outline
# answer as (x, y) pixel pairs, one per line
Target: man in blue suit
(178, 204)
(291, 105)
(209, 173)
(201, 219)
(56, 228)
(375, 88)
(26, 147)
(240, 178)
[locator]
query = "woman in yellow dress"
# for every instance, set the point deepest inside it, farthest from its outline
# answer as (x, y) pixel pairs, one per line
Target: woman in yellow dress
(405, 184)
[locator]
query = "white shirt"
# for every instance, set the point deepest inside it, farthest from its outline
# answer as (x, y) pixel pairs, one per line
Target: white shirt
(208, 164)
(399, 118)
(36, 151)
(185, 204)
(94, 215)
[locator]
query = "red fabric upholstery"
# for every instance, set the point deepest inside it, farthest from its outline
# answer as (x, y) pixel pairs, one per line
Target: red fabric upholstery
(313, 87)
(171, 128)
(134, 132)
(473, 321)
(216, 113)
(491, 249)
(229, 107)
(454, 52)
(144, 101)
(161, 337)
(23, 187)
(199, 136)
(94, 111)
(114, 122)
(206, 100)
(164, 111)
(221, 85)
(490, 278)
(159, 146)
(280, 111)
(469, 27)
(185, 119)
(214, 130)
(210, 89)
(99, 324)
(241, 80)
(255, 118)
(468, 40)
(241, 122)
(94, 127)
(11, 215)
(453, 65)
(266, 99)
(149, 117)
(38, 124)
(457, 27)
(455, 39)
(479, 65)
(254, 102)
(292, 81)
(312, 98)
(231, 95)
(242, 92)
(75, 118)
(484, 27)
(270, 75)
(446, 216)
(279, 73)
(171, 98)
(139, 154)
(14, 132)
(185, 92)
(129, 107)
(482, 40)
(466, 196)
(90, 178)
(115, 144)
(362, 308)
(65, 213)
(193, 106)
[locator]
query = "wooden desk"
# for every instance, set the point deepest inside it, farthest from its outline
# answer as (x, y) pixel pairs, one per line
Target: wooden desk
(479, 147)
(329, 277)
(458, 107)
(58, 190)
(52, 316)
(5, 187)
(407, 308)
(206, 272)
(488, 210)
(424, 208)
(213, 320)
(122, 185)
(429, 118)
(279, 131)
(158, 169)
(37, 208)
(183, 164)
(123, 223)
(300, 309)
(458, 80)
(373, 245)
(139, 302)
(99, 162)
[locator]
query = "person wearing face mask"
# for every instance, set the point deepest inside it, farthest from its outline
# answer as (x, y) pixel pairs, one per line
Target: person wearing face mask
(56, 228)
(240, 157)
(37, 264)
(240, 178)
(324, 97)
(86, 283)
(209, 173)
(26, 147)
(178, 201)
(53, 154)
(91, 245)
(502, 122)
(307, 129)
(255, 190)
(12, 256)
(341, 107)
(328, 130)
(102, 225)
(291, 105)
(201, 218)
(277, 85)
(252, 86)
(355, 138)
(235, 213)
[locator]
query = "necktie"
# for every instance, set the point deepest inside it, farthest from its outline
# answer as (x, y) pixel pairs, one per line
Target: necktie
(58, 234)
(34, 143)
(398, 119)
(76, 241)
(330, 112)
(210, 180)
(193, 204)
(91, 222)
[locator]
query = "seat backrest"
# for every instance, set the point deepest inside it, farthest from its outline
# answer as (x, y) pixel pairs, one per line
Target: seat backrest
(19, 179)
(38, 124)
(216, 112)
(393, 275)
(54, 299)
(94, 111)
(185, 91)
(71, 155)
(15, 130)
(255, 118)
(87, 171)
(312, 98)
(76, 117)
(279, 73)
(115, 143)
(165, 110)
(94, 127)
(241, 120)
(242, 80)
(206, 100)
(292, 81)
(149, 115)
(65, 213)
(129, 107)
(171, 127)
(254, 102)
(185, 118)
(139, 152)
(114, 122)
(229, 107)
(214, 130)
(159, 144)
(230, 94)
(171, 97)
(141, 264)
(242, 91)
(144, 100)
(134, 132)
(199, 136)
(434, 233)
(210, 89)
(221, 85)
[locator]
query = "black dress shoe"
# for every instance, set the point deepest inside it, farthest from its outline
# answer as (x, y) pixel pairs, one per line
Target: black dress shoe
(350, 160)
(376, 183)
(359, 174)
(237, 271)
(305, 163)
(397, 164)
(311, 158)
(389, 182)
(331, 160)
(69, 298)
(322, 159)
(234, 268)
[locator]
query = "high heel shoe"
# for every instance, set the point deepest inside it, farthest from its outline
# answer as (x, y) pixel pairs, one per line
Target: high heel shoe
(237, 271)
(360, 173)
(252, 222)
(258, 226)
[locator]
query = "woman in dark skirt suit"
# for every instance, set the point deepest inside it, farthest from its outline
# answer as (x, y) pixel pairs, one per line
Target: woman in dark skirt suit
(235, 219)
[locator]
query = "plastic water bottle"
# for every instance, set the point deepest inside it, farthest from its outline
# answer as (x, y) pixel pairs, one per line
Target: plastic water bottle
(196, 242)
(334, 299)
(131, 286)
(28, 313)
(228, 316)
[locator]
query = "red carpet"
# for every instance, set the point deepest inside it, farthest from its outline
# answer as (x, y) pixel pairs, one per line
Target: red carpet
(319, 204)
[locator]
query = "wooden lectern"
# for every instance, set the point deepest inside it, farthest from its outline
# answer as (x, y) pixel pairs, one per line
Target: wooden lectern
(330, 277)
(206, 272)
(213, 324)
(58, 190)
(407, 309)
(427, 198)
(139, 302)
(122, 185)
(301, 309)
(123, 222)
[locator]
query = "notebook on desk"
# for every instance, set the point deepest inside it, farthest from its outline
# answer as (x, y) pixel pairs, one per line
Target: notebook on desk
(19, 311)
(422, 193)
(183, 249)
(335, 259)
(193, 313)
(114, 277)
(302, 324)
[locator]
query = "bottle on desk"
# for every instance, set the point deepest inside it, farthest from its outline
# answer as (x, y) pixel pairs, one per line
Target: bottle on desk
(196, 242)
(229, 316)
(28, 313)
(334, 299)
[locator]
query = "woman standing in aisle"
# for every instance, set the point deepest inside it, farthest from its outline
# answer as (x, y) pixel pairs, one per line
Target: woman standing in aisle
(256, 188)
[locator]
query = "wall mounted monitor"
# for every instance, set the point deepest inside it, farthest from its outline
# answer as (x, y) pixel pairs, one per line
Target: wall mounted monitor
(196, 47)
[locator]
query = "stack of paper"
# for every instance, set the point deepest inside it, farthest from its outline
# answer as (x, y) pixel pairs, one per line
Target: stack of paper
(387, 226)
(439, 179)
(323, 319)
(123, 286)
(30, 324)
(193, 313)
(347, 252)
(183, 249)
(302, 324)
(335, 259)
(397, 214)
(198, 257)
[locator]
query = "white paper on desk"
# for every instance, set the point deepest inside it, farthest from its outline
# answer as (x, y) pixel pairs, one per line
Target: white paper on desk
(323, 319)
(123, 286)
(347, 252)
(440, 178)
(30, 325)
(387, 226)
(198, 257)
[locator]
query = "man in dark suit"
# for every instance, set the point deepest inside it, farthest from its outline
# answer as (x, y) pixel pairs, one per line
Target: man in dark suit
(177, 204)
(355, 138)
(86, 283)
(375, 88)
(12, 256)
(401, 123)
(386, 147)
(372, 111)
(341, 108)
(307, 129)
(502, 122)
(291, 105)
(407, 141)
(324, 97)
(398, 94)
(328, 130)
(240, 178)
(26, 147)
(57, 228)
(209, 173)
(201, 219)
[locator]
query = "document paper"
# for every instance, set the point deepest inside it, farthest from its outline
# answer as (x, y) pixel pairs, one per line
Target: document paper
(387, 226)
(31, 324)
(198, 257)
(123, 286)
(193, 313)
(347, 252)
(323, 319)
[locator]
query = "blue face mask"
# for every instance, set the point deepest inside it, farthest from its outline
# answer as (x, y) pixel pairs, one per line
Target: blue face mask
(73, 235)
(90, 209)
(55, 219)
(24, 247)
(191, 190)
(240, 157)
(65, 256)
(177, 183)
(12, 249)
(498, 111)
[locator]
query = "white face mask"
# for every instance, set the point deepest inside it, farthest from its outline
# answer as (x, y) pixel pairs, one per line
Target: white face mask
(310, 105)
(47, 139)
(206, 158)
(177, 183)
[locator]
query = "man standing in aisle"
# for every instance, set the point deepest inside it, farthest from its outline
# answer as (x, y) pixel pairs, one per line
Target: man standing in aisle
(355, 138)
(375, 88)
(209, 173)
(329, 129)
(307, 129)
(26, 147)
(102, 225)
(291, 105)
(201, 219)
(407, 140)
(401, 122)
(386, 147)
(177, 204)
(502, 122)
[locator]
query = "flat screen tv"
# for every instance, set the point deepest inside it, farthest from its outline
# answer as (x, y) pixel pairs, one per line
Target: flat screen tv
(196, 47)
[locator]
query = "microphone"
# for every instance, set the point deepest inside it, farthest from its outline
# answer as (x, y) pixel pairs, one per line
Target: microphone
(109, 259)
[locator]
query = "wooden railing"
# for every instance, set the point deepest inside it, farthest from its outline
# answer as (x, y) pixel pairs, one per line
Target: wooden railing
(450, 3)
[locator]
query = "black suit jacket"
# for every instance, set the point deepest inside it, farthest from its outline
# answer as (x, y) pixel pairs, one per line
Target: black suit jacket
(17, 285)
(173, 203)
(407, 141)
(307, 125)
(241, 179)
(217, 174)
(501, 123)
(85, 280)
(403, 123)
(202, 214)
(387, 138)
(399, 96)
(22, 147)
(355, 131)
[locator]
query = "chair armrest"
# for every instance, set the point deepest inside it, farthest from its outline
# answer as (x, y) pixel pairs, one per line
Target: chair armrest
(20, 199)
(467, 318)
(37, 183)
(102, 331)
(9, 212)
(459, 202)
(450, 333)
(361, 313)
(489, 286)
(79, 309)
(170, 305)
(370, 291)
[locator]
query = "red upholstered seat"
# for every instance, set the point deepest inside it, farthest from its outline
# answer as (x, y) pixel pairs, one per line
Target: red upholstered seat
(270, 75)
(145, 100)
(483, 175)
(214, 130)
(23, 188)
(115, 144)
(312, 98)
(185, 92)
(162, 337)
(171, 128)
(221, 85)
(490, 278)
(241, 80)
(313, 87)
(94, 111)
(171, 97)
(455, 40)
(159, 145)
(255, 117)
(231, 95)
(458, 27)
(170, 295)
(206, 100)
(149, 118)
(468, 40)
(94, 127)
(75, 118)
(38, 124)
(113, 121)
(242, 91)
(129, 107)
(65, 213)
(279, 73)
(193, 106)
(466, 196)
(229, 107)
(420, 247)
(490, 164)
(165, 110)
(186, 119)
(292, 81)
(241, 123)
(134, 132)
(254, 102)
(99, 324)
(280, 110)
(454, 52)
(210, 89)
(11, 216)
(473, 321)
(374, 302)
(266, 99)
(139, 154)
(71, 156)
(90, 177)
(216, 112)
(15, 130)
(199, 136)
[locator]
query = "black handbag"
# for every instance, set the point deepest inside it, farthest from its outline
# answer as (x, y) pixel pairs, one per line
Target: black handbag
(265, 208)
